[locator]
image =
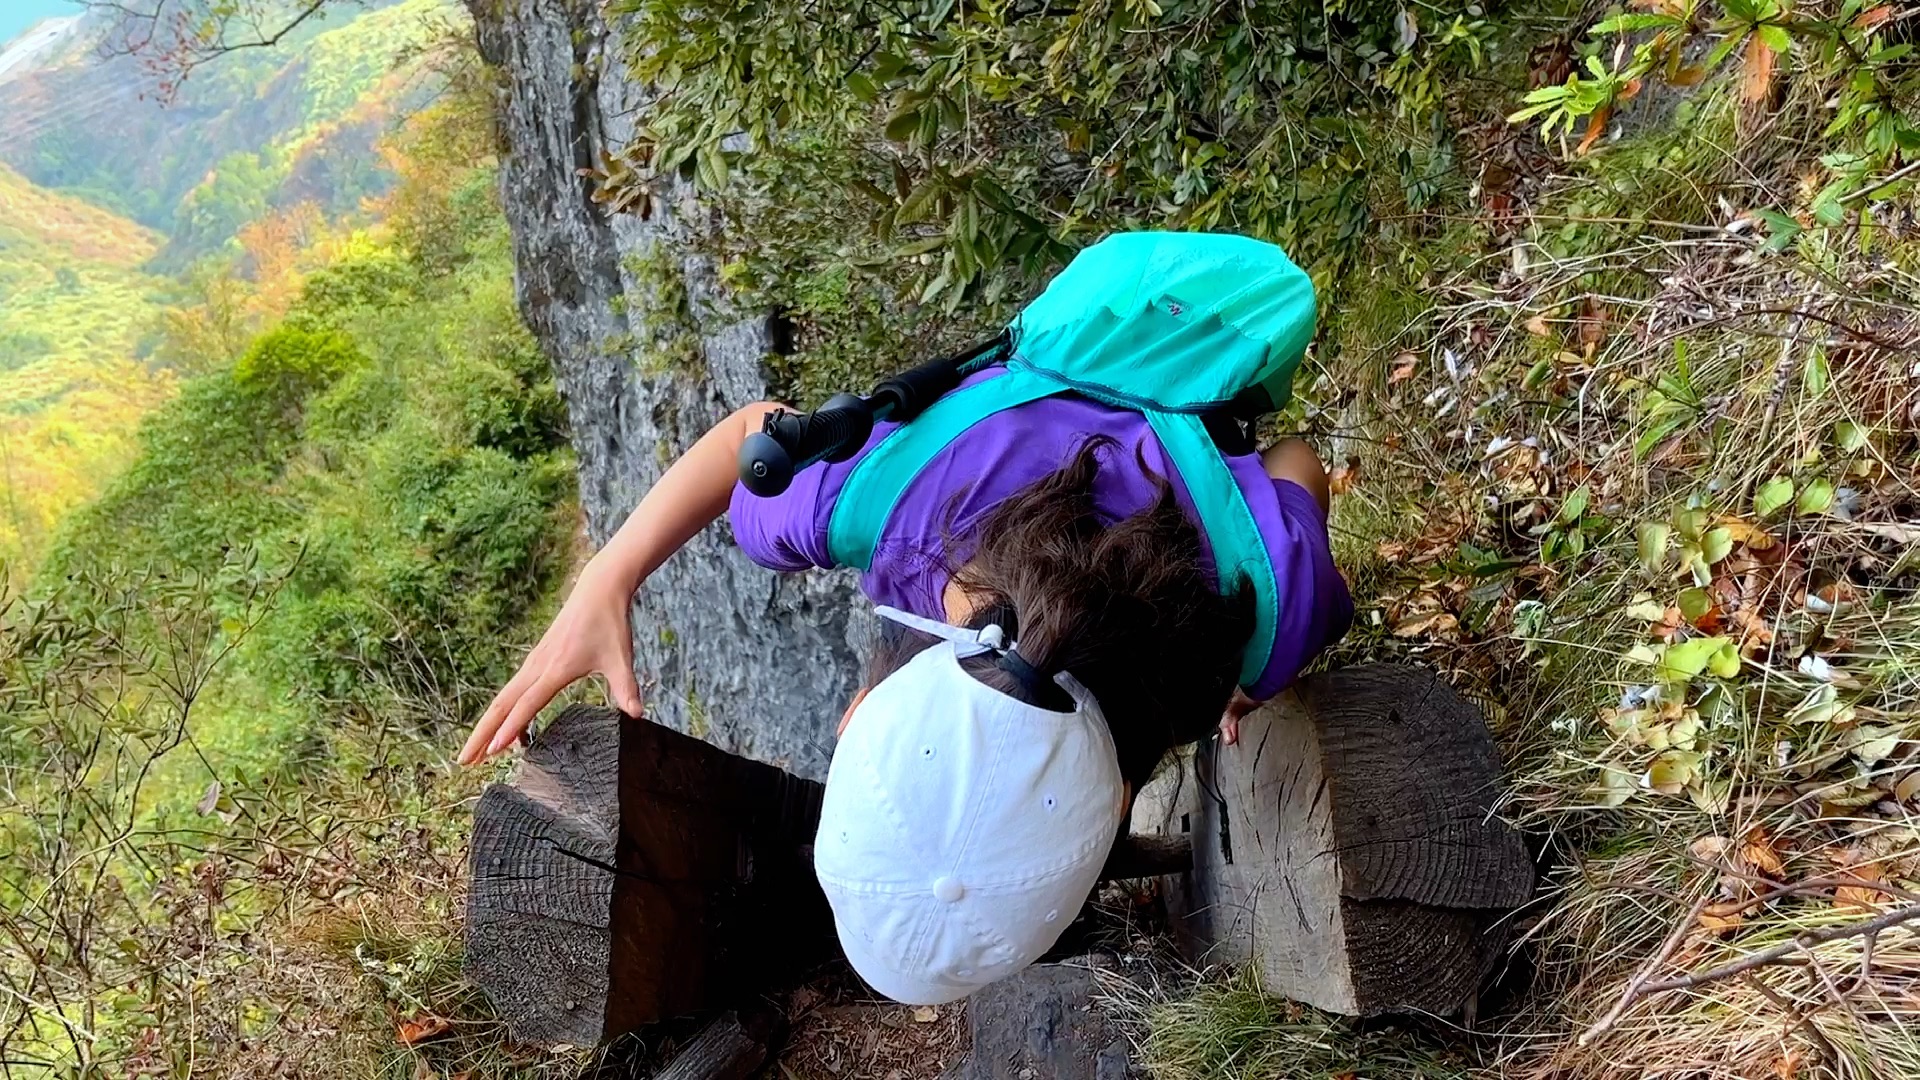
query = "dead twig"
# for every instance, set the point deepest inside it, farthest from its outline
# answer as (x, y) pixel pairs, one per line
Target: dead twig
(1633, 991)
(1640, 988)
(1865, 193)
(1782, 370)
(1770, 955)
(1814, 884)
(1838, 996)
(1796, 1017)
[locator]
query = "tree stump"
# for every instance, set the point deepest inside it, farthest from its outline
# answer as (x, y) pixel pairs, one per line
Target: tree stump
(631, 874)
(1347, 845)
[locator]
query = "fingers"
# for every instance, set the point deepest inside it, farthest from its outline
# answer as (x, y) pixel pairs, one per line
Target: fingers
(476, 747)
(556, 662)
(537, 697)
(1229, 729)
(624, 690)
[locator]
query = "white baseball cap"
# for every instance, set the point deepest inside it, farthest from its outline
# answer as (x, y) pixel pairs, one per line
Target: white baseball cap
(962, 829)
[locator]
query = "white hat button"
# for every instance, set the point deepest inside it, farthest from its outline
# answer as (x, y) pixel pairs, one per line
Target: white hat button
(948, 890)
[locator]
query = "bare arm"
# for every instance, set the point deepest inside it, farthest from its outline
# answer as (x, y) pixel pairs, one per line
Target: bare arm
(1293, 459)
(691, 496)
(591, 635)
(1288, 459)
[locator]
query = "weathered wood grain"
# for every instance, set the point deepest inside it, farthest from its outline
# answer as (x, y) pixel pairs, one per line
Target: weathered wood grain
(1348, 845)
(630, 874)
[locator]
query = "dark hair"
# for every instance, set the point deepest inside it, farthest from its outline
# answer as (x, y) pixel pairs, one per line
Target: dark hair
(1126, 607)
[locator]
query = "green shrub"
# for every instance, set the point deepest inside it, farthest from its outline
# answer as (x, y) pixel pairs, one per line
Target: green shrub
(287, 365)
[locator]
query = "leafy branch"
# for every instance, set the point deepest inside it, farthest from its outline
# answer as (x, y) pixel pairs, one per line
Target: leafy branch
(1868, 78)
(174, 38)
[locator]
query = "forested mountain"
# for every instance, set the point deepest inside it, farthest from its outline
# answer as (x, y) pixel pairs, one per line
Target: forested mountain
(78, 315)
(293, 482)
(119, 201)
(264, 130)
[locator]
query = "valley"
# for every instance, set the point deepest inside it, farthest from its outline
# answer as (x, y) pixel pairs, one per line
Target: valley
(118, 206)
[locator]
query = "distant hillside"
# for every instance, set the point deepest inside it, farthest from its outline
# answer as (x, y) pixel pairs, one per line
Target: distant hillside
(109, 198)
(74, 306)
(255, 131)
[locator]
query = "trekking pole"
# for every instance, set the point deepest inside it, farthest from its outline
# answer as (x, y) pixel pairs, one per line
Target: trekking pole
(790, 441)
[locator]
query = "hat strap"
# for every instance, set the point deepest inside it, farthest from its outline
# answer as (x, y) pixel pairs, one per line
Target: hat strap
(991, 637)
(994, 638)
(1037, 682)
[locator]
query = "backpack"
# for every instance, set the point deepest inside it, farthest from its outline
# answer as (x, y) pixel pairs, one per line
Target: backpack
(1184, 328)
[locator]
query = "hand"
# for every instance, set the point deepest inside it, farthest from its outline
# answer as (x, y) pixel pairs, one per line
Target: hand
(1240, 706)
(590, 636)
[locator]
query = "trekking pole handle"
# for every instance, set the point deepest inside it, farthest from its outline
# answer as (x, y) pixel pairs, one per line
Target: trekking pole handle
(788, 442)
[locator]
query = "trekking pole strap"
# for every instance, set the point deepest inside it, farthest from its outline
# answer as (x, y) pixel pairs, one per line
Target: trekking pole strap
(788, 442)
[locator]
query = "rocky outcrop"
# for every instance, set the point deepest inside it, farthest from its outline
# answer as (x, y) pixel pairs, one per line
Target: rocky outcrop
(755, 662)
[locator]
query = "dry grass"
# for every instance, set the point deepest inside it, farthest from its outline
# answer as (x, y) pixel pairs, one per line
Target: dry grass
(1226, 1028)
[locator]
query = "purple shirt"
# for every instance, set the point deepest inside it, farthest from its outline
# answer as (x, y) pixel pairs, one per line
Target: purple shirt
(1011, 449)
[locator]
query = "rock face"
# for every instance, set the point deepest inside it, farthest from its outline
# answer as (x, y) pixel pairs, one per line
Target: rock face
(758, 663)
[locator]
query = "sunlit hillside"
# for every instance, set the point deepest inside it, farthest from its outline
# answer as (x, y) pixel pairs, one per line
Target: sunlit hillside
(117, 206)
(74, 307)
(254, 131)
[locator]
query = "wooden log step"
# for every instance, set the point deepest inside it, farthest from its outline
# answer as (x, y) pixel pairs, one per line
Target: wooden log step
(1348, 847)
(630, 874)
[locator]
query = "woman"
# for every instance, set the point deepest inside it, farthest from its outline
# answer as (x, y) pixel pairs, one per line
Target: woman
(1055, 625)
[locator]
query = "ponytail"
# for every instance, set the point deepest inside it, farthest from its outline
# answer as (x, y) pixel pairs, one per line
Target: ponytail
(1125, 607)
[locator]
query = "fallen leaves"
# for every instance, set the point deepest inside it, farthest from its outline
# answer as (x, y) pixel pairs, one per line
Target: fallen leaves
(1832, 598)
(1343, 477)
(1822, 705)
(1746, 534)
(1863, 896)
(1426, 624)
(1720, 920)
(1708, 848)
(421, 1028)
(1668, 725)
(1871, 744)
(1591, 324)
(1673, 770)
(1756, 635)
(1908, 787)
(1651, 540)
(1616, 786)
(1757, 850)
